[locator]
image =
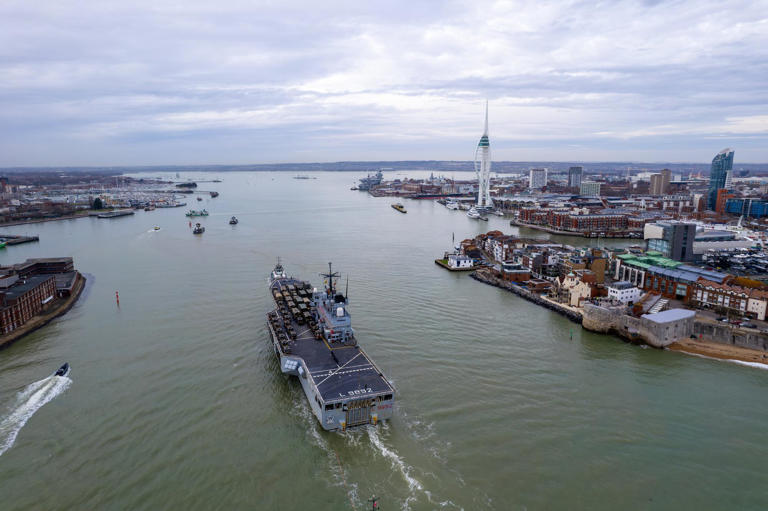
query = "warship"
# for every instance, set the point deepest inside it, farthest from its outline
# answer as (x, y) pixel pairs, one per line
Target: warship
(370, 181)
(313, 339)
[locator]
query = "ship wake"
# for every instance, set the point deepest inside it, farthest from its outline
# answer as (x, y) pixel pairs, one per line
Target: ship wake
(27, 402)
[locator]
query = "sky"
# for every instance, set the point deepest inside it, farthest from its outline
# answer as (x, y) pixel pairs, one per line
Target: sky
(234, 82)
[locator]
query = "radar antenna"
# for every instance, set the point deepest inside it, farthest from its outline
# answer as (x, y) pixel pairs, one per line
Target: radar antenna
(330, 276)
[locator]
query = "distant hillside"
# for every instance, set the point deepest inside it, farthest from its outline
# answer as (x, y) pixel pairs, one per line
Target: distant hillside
(430, 165)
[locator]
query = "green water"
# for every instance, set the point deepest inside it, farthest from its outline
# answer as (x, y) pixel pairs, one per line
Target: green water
(176, 401)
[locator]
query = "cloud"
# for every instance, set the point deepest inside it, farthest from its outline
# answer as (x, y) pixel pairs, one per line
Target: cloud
(120, 82)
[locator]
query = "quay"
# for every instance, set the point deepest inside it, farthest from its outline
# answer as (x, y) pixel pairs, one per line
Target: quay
(12, 239)
(618, 235)
(116, 213)
(444, 264)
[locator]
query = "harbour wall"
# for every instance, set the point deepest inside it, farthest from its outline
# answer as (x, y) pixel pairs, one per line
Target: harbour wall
(487, 278)
(726, 334)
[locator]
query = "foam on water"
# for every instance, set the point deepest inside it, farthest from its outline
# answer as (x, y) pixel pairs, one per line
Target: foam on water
(27, 402)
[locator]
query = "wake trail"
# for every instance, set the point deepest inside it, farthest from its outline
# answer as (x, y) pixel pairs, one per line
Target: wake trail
(27, 402)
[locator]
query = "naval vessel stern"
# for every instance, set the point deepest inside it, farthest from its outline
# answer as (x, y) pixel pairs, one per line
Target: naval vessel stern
(313, 339)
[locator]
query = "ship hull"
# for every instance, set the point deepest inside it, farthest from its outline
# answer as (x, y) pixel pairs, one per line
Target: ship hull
(343, 386)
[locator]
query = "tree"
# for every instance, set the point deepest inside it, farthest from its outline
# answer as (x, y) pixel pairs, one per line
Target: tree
(97, 204)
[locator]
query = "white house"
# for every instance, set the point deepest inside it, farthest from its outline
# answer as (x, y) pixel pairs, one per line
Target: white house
(624, 292)
(457, 262)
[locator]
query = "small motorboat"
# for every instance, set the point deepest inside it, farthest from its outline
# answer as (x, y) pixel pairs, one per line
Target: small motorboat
(199, 229)
(200, 198)
(233, 221)
(63, 370)
(157, 228)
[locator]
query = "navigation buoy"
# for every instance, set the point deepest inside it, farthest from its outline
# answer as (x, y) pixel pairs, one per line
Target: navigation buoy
(117, 298)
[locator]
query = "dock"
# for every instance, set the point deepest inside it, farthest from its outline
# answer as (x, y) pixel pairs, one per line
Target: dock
(117, 213)
(12, 239)
(444, 263)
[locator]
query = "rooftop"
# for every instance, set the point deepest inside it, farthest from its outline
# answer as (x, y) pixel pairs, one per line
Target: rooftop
(670, 315)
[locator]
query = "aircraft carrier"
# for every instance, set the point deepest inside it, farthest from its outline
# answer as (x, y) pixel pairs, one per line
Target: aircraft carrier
(312, 335)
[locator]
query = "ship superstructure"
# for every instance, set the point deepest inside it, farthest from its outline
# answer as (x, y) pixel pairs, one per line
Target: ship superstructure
(313, 339)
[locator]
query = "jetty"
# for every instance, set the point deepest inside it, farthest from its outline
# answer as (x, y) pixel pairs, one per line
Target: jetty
(12, 239)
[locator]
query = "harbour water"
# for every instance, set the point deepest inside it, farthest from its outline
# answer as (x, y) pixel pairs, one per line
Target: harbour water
(175, 400)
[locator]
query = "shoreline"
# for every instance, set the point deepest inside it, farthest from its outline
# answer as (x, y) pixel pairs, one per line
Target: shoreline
(719, 351)
(40, 321)
(42, 220)
(698, 347)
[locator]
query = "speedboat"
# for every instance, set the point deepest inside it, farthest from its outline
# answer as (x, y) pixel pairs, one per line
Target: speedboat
(233, 221)
(157, 227)
(200, 198)
(63, 370)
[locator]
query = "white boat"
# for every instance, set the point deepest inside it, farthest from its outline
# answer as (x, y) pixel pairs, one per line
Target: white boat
(452, 205)
(473, 213)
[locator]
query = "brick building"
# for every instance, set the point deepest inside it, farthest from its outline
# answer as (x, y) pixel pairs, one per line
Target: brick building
(25, 299)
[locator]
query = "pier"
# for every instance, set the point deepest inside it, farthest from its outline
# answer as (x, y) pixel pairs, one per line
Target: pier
(12, 239)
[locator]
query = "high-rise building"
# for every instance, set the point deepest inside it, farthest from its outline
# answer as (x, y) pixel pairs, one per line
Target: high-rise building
(574, 176)
(537, 179)
(660, 182)
(722, 166)
(483, 166)
(673, 239)
(666, 177)
(589, 189)
(655, 188)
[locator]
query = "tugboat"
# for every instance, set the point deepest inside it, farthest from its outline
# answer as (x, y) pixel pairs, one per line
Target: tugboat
(313, 339)
(233, 221)
(398, 206)
(199, 229)
(63, 370)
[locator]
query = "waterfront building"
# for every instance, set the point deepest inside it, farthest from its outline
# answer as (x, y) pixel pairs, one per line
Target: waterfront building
(589, 189)
(23, 299)
(730, 299)
(673, 239)
(722, 166)
(755, 208)
(459, 262)
(537, 179)
(624, 292)
(483, 167)
(574, 177)
(661, 275)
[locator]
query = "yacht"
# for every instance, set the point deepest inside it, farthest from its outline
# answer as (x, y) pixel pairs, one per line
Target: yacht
(474, 213)
(452, 204)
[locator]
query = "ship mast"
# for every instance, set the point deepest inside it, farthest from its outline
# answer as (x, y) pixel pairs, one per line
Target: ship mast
(330, 276)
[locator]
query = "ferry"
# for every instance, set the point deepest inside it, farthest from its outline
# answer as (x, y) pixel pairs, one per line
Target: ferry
(313, 339)
(398, 206)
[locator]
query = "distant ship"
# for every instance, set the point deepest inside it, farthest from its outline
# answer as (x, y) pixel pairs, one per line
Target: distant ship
(313, 339)
(367, 182)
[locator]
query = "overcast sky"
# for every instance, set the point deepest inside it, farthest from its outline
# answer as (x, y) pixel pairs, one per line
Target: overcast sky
(150, 82)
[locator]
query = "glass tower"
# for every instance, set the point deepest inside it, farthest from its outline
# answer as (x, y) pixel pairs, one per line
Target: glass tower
(722, 165)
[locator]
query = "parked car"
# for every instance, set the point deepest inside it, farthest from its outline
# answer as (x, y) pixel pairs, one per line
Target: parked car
(748, 325)
(722, 319)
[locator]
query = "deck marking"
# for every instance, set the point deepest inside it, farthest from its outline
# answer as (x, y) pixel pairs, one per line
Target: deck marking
(339, 369)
